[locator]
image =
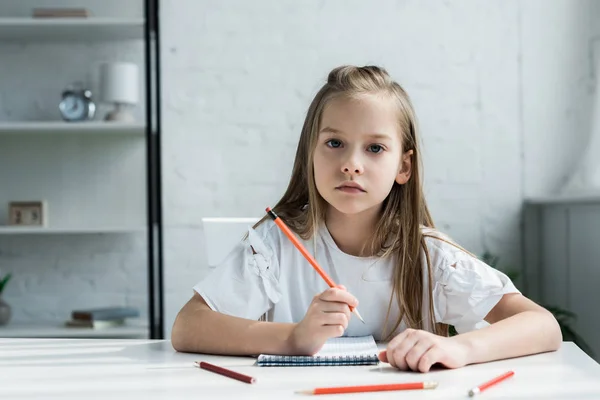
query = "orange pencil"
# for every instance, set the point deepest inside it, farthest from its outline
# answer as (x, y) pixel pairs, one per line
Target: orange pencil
(306, 254)
(482, 387)
(373, 388)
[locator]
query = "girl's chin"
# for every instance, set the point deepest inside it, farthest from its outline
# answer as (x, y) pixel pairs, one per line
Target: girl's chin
(348, 208)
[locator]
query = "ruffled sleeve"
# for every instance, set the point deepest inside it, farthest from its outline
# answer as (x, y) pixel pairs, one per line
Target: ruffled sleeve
(246, 283)
(465, 289)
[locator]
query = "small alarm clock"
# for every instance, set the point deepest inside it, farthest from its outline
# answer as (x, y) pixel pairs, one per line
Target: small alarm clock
(77, 104)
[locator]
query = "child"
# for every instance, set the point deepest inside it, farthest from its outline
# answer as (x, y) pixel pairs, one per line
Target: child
(355, 198)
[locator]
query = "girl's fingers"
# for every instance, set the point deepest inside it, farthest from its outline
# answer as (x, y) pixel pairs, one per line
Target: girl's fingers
(412, 349)
(333, 330)
(333, 306)
(396, 354)
(339, 295)
(413, 357)
(433, 355)
(399, 338)
(336, 319)
(391, 346)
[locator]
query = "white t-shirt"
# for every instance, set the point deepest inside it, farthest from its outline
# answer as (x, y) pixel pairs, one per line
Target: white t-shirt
(278, 281)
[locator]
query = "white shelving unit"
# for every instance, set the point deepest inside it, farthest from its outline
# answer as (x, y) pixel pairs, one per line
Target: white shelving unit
(92, 173)
(27, 230)
(74, 128)
(80, 29)
(60, 179)
(57, 330)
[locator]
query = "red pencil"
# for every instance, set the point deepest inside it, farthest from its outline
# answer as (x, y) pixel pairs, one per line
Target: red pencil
(225, 372)
(306, 254)
(482, 387)
(373, 388)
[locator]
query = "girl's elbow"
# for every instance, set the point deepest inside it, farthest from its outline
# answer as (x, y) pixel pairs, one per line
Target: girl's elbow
(178, 335)
(555, 333)
(176, 340)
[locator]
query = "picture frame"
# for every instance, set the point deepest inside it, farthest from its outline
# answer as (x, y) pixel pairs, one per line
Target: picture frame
(27, 213)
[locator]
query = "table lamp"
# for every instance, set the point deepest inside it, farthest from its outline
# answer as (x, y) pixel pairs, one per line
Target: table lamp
(119, 86)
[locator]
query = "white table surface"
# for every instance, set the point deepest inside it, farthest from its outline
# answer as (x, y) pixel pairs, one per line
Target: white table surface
(151, 369)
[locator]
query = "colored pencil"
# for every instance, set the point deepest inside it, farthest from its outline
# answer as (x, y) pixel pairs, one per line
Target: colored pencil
(482, 387)
(278, 221)
(372, 388)
(225, 372)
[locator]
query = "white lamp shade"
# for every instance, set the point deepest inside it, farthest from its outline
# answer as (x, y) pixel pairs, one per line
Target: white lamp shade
(119, 82)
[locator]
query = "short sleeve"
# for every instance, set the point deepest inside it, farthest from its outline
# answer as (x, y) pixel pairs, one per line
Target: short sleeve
(245, 284)
(465, 289)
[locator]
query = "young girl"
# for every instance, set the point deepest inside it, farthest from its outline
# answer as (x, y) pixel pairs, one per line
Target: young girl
(355, 199)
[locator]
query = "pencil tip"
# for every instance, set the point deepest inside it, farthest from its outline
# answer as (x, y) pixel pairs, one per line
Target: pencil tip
(358, 315)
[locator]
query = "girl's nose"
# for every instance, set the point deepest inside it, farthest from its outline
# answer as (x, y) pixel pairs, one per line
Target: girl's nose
(352, 166)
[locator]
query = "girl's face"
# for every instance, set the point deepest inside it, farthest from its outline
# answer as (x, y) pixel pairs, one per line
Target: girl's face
(359, 156)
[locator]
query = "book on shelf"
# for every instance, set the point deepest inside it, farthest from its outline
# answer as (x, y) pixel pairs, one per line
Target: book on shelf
(100, 324)
(60, 12)
(104, 314)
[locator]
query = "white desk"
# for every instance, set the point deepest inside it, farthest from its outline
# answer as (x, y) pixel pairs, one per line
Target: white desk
(146, 369)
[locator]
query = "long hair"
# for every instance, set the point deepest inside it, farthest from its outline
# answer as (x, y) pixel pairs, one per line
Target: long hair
(404, 211)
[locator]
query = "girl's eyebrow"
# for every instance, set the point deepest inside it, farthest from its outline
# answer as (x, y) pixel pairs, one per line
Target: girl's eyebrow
(374, 136)
(328, 129)
(379, 136)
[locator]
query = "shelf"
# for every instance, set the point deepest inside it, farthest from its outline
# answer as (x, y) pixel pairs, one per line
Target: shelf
(57, 330)
(72, 29)
(592, 196)
(75, 128)
(29, 230)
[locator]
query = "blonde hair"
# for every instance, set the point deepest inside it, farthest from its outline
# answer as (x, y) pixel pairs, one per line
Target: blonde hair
(404, 212)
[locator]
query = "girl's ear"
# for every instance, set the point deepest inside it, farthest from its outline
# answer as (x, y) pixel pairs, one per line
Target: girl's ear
(405, 168)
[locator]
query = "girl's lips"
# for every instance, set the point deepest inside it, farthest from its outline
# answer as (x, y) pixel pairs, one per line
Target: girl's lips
(351, 185)
(350, 189)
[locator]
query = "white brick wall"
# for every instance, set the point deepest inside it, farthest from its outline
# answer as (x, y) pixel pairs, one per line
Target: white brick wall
(238, 76)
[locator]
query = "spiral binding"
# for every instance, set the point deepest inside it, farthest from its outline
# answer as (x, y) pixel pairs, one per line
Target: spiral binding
(300, 361)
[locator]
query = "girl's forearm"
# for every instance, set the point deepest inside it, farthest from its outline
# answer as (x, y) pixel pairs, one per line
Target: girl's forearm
(202, 330)
(528, 332)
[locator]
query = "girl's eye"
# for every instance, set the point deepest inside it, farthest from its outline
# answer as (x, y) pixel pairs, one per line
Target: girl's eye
(375, 148)
(334, 143)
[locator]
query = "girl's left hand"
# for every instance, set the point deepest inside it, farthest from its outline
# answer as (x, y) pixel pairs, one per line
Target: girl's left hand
(418, 350)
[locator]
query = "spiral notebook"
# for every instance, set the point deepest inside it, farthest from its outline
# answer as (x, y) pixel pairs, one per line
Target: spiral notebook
(356, 350)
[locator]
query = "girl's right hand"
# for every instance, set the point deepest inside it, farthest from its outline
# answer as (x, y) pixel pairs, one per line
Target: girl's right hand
(326, 317)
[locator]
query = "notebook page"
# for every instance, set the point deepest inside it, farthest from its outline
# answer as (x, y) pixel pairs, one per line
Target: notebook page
(361, 350)
(348, 346)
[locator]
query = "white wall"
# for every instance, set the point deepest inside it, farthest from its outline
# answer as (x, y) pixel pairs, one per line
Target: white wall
(560, 40)
(238, 77)
(501, 90)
